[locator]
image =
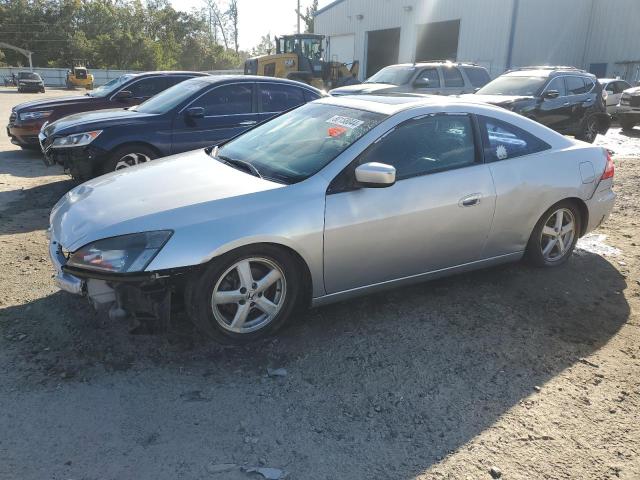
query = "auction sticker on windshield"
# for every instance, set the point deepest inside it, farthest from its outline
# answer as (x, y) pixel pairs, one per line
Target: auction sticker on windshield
(345, 121)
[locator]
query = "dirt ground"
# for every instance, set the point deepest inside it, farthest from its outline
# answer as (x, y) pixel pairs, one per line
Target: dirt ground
(533, 372)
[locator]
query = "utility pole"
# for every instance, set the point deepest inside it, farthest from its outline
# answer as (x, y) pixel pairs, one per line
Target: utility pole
(298, 16)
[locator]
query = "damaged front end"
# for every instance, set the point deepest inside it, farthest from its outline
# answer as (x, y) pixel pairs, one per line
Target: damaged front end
(110, 273)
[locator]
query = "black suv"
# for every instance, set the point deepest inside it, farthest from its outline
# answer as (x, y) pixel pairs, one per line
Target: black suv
(565, 99)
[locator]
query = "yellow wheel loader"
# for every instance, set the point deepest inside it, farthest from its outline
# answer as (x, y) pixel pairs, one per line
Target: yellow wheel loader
(299, 57)
(79, 76)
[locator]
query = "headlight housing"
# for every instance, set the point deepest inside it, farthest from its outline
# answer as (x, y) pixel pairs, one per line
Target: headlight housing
(35, 115)
(123, 254)
(76, 140)
(625, 99)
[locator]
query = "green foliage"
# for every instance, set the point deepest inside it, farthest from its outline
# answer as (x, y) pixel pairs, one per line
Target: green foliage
(119, 34)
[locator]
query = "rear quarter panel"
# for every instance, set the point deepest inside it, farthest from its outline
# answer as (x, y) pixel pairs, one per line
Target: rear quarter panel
(528, 186)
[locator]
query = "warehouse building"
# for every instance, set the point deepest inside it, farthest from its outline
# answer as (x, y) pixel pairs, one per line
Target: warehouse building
(598, 35)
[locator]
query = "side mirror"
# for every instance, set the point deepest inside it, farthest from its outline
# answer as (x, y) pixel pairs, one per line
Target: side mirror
(422, 83)
(124, 95)
(375, 175)
(195, 112)
(551, 94)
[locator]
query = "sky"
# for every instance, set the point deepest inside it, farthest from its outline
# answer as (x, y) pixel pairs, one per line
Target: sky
(259, 17)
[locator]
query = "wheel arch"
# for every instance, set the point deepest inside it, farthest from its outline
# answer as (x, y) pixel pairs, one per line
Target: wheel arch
(300, 260)
(136, 142)
(584, 213)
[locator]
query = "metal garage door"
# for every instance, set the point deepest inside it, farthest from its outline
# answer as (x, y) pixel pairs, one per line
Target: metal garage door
(341, 48)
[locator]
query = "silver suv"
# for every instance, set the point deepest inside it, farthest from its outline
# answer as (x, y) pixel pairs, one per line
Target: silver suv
(435, 78)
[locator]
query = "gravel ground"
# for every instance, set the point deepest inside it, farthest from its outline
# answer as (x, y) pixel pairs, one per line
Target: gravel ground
(535, 373)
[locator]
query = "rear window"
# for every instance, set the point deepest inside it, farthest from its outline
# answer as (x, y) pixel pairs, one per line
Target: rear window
(478, 76)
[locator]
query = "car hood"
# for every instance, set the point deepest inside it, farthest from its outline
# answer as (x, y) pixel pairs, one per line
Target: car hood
(363, 88)
(96, 119)
(53, 103)
(633, 91)
(165, 194)
(496, 99)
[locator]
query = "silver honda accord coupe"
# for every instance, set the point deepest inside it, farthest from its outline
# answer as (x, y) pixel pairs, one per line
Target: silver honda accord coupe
(339, 197)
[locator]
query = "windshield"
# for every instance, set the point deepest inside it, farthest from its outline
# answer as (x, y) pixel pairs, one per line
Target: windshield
(172, 97)
(392, 75)
(527, 86)
(110, 86)
(28, 76)
(298, 144)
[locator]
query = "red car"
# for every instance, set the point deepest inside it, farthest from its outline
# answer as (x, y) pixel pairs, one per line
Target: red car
(27, 119)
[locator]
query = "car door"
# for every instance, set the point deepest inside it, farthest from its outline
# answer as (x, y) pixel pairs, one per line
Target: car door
(437, 215)
(453, 81)
(427, 81)
(274, 98)
(555, 113)
(577, 95)
(226, 111)
(521, 176)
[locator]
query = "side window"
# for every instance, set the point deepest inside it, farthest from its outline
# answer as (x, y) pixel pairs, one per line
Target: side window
(620, 87)
(610, 87)
(227, 100)
(425, 145)
(557, 84)
(478, 76)
(427, 78)
(174, 80)
(452, 77)
(576, 85)
(147, 87)
(503, 140)
(277, 98)
(310, 96)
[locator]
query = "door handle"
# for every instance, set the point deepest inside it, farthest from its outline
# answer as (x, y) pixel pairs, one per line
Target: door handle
(247, 123)
(470, 200)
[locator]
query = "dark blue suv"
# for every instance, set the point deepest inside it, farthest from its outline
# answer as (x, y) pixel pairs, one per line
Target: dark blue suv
(196, 113)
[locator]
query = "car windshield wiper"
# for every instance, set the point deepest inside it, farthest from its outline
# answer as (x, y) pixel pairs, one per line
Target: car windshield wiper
(234, 162)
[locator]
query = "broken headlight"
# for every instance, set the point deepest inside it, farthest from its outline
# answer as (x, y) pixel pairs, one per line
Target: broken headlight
(76, 140)
(123, 254)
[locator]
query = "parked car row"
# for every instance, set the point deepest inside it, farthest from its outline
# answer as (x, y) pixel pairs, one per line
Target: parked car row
(275, 196)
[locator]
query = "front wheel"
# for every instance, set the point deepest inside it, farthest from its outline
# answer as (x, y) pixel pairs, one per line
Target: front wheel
(128, 156)
(589, 130)
(245, 294)
(555, 235)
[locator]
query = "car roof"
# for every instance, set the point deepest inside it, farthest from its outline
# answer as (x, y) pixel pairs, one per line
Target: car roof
(546, 71)
(255, 78)
(387, 104)
(432, 63)
(609, 80)
(171, 72)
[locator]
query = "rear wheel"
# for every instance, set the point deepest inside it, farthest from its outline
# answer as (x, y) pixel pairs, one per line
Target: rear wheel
(245, 294)
(555, 235)
(588, 130)
(128, 156)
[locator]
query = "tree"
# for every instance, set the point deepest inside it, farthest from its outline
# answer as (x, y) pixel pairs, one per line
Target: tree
(265, 47)
(309, 16)
(124, 34)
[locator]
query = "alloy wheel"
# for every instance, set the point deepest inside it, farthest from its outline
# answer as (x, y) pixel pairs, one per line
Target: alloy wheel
(591, 132)
(249, 295)
(557, 235)
(131, 159)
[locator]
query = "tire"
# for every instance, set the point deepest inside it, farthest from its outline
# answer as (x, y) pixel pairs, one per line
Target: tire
(223, 275)
(588, 129)
(42, 91)
(128, 154)
(546, 231)
(19, 90)
(627, 124)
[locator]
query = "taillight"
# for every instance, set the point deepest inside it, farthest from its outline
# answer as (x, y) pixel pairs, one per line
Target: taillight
(609, 170)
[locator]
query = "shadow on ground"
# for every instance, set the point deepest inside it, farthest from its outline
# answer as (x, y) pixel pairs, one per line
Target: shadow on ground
(384, 386)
